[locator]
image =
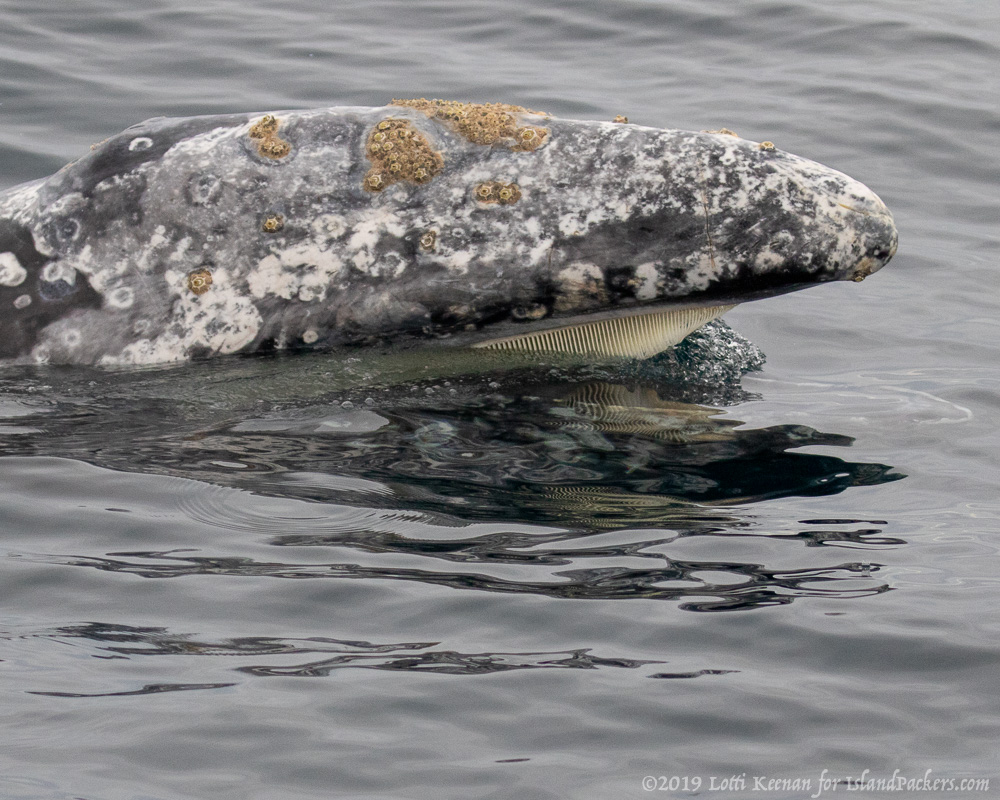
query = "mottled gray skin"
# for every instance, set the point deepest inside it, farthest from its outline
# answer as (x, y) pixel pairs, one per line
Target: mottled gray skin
(613, 218)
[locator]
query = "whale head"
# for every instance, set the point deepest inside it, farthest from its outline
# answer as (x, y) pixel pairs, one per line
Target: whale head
(186, 238)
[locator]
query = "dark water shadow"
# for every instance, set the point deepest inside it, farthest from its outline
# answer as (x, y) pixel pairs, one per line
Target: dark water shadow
(325, 656)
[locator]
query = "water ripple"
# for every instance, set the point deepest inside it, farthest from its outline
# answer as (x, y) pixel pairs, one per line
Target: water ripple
(756, 586)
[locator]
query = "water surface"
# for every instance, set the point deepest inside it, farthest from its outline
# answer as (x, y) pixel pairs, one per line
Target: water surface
(281, 577)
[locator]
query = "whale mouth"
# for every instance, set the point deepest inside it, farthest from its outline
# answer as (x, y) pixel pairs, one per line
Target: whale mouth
(619, 337)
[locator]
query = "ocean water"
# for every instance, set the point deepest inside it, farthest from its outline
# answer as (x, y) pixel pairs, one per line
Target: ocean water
(295, 578)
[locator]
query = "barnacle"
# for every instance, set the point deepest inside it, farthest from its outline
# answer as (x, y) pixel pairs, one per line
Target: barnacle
(273, 223)
(373, 182)
(199, 281)
(264, 127)
(498, 192)
(620, 118)
(483, 123)
(429, 240)
(270, 145)
(766, 145)
(530, 138)
(506, 194)
(274, 148)
(399, 152)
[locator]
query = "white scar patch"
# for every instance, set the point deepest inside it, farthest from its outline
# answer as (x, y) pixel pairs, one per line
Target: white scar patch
(221, 321)
(647, 276)
(11, 271)
(580, 274)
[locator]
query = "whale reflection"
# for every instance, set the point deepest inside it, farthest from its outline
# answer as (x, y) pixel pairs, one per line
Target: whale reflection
(566, 486)
(546, 484)
(597, 456)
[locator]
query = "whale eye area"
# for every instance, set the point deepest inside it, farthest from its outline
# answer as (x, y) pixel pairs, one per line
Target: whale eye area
(399, 152)
(483, 123)
(199, 281)
(269, 144)
(497, 192)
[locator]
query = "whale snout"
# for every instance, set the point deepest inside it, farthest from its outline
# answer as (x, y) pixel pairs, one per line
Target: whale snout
(847, 231)
(879, 239)
(778, 222)
(872, 228)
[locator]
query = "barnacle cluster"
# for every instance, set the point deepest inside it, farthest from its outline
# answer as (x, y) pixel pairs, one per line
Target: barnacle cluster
(273, 223)
(621, 119)
(269, 144)
(483, 123)
(199, 281)
(725, 131)
(498, 192)
(399, 152)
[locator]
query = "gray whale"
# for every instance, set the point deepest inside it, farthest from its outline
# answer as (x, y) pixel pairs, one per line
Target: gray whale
(472, 224)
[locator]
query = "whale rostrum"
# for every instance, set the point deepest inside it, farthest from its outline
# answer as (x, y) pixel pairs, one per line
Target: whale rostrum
(480, 225)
